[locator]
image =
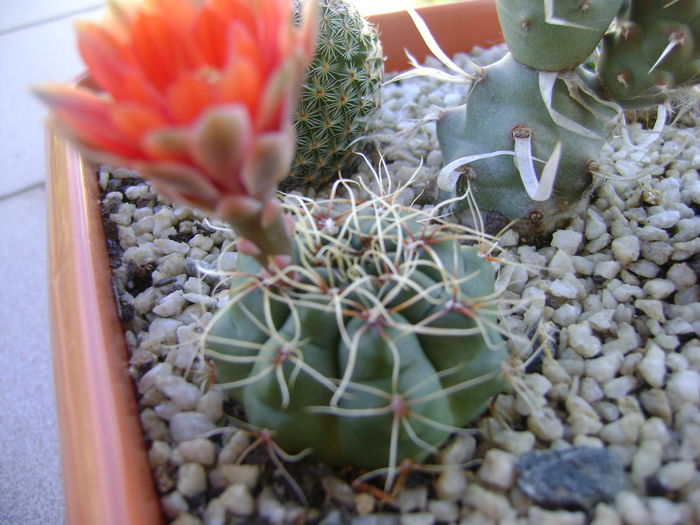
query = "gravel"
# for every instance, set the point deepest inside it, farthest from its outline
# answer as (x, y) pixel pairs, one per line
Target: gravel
(616, 291)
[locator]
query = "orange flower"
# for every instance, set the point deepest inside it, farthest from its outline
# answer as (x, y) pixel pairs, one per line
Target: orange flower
(195, 94)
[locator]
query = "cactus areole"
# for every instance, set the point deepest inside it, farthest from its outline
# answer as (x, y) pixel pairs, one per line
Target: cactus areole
(377, 343)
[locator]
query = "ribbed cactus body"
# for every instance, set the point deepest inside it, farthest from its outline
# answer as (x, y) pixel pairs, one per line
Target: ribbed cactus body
(339, 95)
(372, 347)
(555, 35)
(507, 100)
(653, 49)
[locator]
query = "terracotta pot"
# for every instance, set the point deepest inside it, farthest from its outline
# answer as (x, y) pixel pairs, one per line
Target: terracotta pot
(107, 479)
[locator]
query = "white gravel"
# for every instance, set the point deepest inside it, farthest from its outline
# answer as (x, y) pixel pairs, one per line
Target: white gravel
(617, 294)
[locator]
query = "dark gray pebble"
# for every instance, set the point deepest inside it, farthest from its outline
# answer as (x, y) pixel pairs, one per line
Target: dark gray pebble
(578, 477)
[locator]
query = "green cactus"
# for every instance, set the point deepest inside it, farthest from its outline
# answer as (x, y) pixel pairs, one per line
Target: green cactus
(534, 123)
(378, 342)
(339, 95)
(553, 36)
(498, 182)
(652, 50)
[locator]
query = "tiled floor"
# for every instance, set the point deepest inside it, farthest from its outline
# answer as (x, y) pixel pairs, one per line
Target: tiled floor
(36, 44)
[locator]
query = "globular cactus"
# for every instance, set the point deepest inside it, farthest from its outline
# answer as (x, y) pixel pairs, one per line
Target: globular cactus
(652, 50)
(554, 35)
(378, 342)
(339, 96)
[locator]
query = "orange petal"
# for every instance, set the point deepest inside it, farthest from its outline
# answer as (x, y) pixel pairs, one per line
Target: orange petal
(178, 13)
(135, 121)
(209, 32)
(235, 10)
(188, 97)
(155, 50)
(242, 82)
(104, 57)
(88, 117)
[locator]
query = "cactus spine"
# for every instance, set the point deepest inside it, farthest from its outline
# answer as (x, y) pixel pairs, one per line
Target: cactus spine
(532, 160)
(339, 95)
(378, 342)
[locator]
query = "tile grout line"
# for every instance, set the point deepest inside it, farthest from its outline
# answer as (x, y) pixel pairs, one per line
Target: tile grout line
(50, 19)
(20, 191)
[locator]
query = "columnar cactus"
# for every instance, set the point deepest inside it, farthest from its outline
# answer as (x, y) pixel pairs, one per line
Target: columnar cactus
(527, 140)
(554, 35)
(378, 342)
(339, 95)
(651, 50)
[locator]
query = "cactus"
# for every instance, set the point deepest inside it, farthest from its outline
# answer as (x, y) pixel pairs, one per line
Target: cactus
(378, 342)
(524, 127)
(339, 95)
(651, 51)
(531, 162)
(553, 36)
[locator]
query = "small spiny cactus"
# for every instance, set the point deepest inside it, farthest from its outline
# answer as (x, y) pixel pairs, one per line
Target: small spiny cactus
(339, 95)
(378, 341)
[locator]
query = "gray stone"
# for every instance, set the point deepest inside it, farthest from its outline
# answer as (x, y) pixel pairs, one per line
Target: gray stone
(578, 477)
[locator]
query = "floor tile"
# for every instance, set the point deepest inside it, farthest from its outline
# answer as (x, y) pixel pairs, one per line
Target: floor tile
(15, 15)
(30, 479)
(45, 52)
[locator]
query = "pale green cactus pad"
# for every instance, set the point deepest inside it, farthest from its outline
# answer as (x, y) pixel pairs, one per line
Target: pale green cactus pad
(553, 35)
(507, 102)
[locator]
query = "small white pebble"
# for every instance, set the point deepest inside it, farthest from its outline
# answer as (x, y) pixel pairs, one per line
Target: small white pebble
(676, 474)
(237, 500)
(498, 468)
(191, 479)
(583, 341)
(567, 240)
(451, 484)
(659, 288)
(626, 249)
(665, 219)
(653, 366)
(619, 387)
(685, 387)
(665, 512)
(681, 275)
(607, 269)
(632, 509)
(624, 430)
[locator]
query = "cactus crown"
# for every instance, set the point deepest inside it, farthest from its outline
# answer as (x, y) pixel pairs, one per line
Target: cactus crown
(339, 95)
(385, 326)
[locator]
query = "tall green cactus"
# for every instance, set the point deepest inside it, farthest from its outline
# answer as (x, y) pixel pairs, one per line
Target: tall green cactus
(553, 36)
(339, 96)
(652, 50)
(528, 138)
(378, 341)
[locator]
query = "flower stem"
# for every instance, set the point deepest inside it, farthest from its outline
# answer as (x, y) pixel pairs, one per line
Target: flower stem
(263, 229)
